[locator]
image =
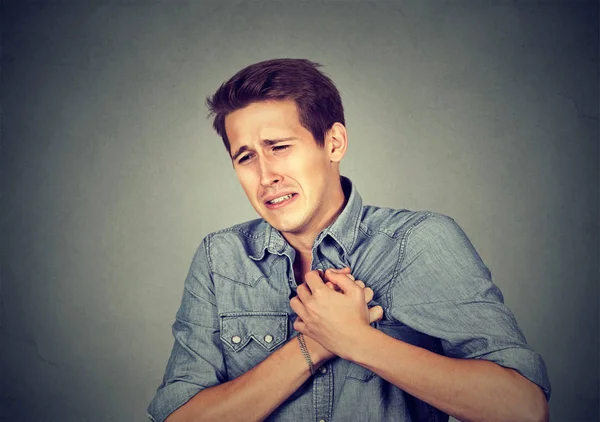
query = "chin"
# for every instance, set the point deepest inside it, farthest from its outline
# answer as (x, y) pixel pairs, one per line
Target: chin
(282, 227)
(287, 226)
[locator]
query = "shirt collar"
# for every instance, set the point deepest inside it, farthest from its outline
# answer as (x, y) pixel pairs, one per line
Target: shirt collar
(344, 230)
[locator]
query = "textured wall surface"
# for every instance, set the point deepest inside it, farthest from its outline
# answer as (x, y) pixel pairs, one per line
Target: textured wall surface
(111, 175)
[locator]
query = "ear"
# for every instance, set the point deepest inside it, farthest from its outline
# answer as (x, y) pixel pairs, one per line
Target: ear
(336, 142)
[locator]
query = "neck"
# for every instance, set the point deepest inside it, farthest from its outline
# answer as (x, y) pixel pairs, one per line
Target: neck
(304, 241)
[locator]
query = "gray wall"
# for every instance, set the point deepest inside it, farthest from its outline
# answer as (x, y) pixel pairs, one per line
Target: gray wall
(111, 175)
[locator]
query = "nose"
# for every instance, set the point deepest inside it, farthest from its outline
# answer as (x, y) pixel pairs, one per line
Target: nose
(268, 175)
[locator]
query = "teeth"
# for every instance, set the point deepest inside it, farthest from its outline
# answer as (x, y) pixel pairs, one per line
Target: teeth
(282, 198)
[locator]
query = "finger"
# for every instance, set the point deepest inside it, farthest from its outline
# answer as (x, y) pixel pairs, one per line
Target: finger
(368, 294)
(359, 283)
(314, 281)
(325, 276)
(303, 293)
(333, 272)
(331, 285)
(300, 326)
(345, 270)
(341, 281)
(298, 308)
(375, 314)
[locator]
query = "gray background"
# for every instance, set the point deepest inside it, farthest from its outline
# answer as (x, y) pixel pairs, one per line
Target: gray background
(111, 175)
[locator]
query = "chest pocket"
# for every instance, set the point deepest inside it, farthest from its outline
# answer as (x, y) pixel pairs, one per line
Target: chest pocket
(249, 337)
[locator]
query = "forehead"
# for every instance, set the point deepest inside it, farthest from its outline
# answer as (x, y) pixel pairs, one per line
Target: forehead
(262, 120)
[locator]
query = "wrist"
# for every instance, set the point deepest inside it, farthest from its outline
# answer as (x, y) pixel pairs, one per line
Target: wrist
(305, 353)
(318, 353)
(358, 348)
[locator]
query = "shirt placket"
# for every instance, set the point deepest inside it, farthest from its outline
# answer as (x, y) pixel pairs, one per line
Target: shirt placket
(323, 379)
(323, 393)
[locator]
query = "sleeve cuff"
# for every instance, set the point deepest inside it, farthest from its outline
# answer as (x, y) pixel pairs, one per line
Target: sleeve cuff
(170, 398)
(526, 362)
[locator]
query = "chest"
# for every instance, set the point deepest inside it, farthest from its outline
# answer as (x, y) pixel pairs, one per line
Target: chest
(268, 284)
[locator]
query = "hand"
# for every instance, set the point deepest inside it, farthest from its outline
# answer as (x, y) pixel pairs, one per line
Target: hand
(335, 319)
(316, 350)
(376, 312)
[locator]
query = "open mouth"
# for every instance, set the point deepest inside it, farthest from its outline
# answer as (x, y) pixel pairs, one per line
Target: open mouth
(281, 201)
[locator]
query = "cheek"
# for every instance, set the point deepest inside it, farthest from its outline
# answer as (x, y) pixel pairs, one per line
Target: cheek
(247, 183)
(307, 167)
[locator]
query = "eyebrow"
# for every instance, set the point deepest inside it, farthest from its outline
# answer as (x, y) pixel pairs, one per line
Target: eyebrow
(264, 142)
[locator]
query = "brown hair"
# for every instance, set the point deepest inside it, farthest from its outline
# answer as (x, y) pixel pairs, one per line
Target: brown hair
(317, 99)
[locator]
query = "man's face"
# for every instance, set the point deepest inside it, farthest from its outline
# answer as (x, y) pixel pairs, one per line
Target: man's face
(290, 181)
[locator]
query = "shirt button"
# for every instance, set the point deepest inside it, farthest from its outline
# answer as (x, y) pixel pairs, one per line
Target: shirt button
(323, 370)
(322, 420)
(236, 339)
(268, 338)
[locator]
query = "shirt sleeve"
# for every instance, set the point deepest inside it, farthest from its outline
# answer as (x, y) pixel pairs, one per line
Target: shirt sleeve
(443, 289)
(196, 361)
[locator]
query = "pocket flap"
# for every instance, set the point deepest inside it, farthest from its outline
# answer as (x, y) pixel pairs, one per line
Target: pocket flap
(269, 329)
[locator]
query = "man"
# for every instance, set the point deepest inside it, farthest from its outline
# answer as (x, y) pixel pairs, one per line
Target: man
(325, 309)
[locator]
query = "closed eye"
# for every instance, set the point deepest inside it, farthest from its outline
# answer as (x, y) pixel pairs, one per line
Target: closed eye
(244, 158)
(280, 147)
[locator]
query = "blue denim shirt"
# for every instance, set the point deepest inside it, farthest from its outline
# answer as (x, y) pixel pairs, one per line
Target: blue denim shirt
(434, 288)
